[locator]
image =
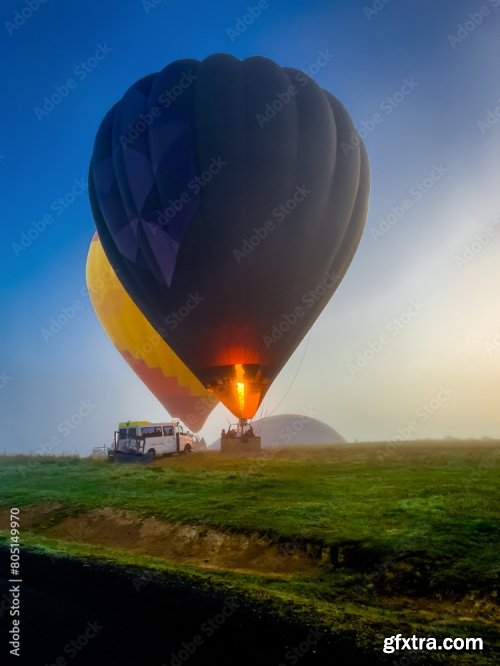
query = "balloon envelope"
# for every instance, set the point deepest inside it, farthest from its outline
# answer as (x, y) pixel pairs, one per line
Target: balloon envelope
(175, 386)
(230, 196)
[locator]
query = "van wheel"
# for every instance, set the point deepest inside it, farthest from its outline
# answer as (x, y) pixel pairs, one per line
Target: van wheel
(152, 454)
(188, 448)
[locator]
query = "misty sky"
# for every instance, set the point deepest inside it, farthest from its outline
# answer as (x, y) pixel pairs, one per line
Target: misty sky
(409, 346)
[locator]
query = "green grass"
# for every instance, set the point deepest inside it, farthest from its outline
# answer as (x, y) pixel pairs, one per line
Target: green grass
(413, 520)
(434, 499)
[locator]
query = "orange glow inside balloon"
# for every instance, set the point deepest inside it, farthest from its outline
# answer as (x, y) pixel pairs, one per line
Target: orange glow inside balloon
(240, 387)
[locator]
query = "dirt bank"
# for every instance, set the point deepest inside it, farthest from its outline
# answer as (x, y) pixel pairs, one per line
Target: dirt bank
(175, 542)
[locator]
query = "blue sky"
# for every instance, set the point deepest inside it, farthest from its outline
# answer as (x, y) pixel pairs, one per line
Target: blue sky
(411, 339)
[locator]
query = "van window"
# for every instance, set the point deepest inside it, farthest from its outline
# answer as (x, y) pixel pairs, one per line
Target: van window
(151, 431)
(132, 432)
(168, 431)
(123, 432)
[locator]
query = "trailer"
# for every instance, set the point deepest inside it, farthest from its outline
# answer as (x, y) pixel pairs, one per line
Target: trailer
(99, 452)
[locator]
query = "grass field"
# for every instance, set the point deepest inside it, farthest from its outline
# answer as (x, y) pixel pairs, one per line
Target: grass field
(370, 540)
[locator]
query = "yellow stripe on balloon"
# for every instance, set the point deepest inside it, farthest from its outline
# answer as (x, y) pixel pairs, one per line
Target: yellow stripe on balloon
(159, 367)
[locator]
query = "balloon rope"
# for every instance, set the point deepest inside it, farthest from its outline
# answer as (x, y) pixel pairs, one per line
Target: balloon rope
(295, 375)
(260, 419)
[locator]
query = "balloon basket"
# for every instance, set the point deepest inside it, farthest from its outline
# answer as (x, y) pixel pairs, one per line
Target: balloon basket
(243, 446)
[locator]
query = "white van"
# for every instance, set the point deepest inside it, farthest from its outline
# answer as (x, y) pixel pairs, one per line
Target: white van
(153, 439)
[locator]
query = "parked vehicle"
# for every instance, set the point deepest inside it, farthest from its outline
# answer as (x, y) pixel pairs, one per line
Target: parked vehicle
(147, 441)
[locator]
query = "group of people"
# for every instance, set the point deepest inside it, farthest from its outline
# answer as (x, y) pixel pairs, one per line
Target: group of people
(232, 433)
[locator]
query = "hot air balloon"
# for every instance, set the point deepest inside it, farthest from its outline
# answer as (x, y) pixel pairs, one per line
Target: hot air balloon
(178, 390)
(230, 196)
